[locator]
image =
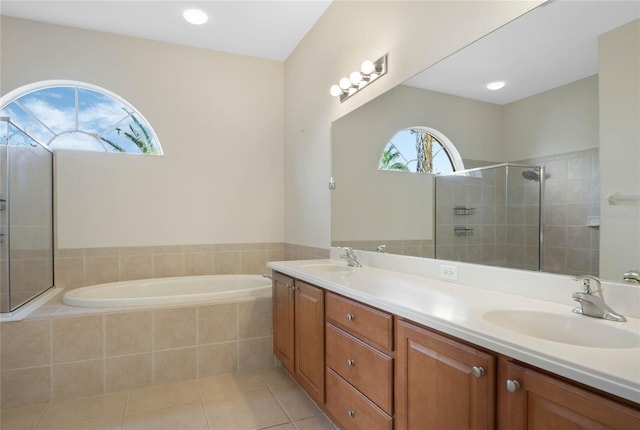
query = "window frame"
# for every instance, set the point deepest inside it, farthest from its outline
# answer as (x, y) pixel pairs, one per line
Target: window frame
(452, 152)
(27, 89)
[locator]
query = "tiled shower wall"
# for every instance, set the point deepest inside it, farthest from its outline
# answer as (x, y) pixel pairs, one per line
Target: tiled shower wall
(572, 194)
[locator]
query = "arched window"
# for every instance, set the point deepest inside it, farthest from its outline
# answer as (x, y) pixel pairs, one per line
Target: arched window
(421, 150)
(80, 116)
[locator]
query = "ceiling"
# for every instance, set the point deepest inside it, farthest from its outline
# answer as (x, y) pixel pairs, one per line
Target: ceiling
(552, 45)
(259, 28)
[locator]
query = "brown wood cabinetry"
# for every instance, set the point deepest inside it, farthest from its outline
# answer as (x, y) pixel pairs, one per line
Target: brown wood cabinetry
(441, 383)
(309, 339)
(283, 319)
(298, 339)
(426, 380)
(531, 400)
(371, 325)
(350, 409)
(359, 341)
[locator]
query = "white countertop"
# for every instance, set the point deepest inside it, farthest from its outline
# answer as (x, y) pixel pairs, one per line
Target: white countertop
(458, 310)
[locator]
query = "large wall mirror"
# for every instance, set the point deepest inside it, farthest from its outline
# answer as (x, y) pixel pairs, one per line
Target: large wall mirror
(541, 155)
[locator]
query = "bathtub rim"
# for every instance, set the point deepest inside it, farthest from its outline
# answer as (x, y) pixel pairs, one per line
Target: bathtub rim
(142, 302)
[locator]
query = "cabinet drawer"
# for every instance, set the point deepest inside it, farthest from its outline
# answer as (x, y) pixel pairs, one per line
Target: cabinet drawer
(371, 325)
(364, 367)
(350, 409)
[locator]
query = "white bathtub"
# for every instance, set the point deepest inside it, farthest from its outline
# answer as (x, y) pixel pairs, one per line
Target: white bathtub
(162, 291)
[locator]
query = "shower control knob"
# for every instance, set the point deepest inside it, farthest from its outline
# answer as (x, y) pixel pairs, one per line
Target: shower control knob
(351, 317)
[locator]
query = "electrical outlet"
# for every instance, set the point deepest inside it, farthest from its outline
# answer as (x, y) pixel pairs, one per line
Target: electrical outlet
(448, 272)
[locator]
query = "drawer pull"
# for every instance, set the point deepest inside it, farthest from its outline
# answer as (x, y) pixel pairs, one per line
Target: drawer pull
(351, 317)
(351, 413)
(512, 385)
(477, 371)
(351, 362)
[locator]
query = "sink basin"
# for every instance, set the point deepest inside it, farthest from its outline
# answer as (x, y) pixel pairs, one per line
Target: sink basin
(328, 267)
(569, 329)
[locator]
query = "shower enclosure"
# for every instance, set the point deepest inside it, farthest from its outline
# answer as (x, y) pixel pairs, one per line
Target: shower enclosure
(491, 215)
(26, 217)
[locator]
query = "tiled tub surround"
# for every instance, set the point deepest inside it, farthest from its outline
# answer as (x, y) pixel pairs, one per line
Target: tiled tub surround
(53, 358)
(89, 266)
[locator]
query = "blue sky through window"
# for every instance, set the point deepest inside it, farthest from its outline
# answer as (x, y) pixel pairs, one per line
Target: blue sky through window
(81, 118)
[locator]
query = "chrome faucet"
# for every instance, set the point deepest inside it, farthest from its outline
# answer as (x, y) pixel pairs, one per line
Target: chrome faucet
(632, 276)
(350, 256)
(381, 249)
(592, 301)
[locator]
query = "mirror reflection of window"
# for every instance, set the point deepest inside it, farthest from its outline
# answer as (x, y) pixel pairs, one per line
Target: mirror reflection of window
(420, 150)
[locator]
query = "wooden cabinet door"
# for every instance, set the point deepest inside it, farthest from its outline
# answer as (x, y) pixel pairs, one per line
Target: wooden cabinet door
(541, 401)
(435, 383)
(283, 315)
(309, 339)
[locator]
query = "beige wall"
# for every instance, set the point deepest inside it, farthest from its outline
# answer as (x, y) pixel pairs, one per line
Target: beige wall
(414, 34)
(219, 118)
(223, 178)
(619, 62)
(563, 119)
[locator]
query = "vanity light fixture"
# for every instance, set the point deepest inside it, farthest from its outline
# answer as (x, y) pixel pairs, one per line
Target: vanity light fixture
(195, 16)
(369, 72)
(497, 85)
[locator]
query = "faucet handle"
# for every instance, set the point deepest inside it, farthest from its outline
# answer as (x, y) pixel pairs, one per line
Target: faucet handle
(590, 283)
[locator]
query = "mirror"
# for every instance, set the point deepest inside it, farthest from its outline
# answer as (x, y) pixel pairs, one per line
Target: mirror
(549, 114)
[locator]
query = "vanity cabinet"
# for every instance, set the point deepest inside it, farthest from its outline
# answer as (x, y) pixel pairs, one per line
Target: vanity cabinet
(298, 340)
(382, 372)
(359, 374)
(531, 400)
(441, 383)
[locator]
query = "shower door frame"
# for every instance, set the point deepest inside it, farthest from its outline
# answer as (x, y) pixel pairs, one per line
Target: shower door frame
(541, 180)
(7, 236)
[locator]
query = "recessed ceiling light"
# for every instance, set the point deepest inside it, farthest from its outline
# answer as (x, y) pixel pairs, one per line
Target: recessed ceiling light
(496, 85)
(195, 16)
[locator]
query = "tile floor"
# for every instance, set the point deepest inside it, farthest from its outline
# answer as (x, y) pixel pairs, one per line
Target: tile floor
(261, 399)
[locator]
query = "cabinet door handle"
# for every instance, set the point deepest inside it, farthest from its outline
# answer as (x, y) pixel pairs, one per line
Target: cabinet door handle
(512, 385)
(351, 317)
(295, 287)
(351, 413)
(289, 286)
(477, 371)
(351, 362)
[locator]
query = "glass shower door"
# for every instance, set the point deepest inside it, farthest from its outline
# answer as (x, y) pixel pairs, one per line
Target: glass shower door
(26, 218)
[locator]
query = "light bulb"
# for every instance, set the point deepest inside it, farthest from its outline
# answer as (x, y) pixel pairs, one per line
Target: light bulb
(345, 83)
(367, 67)
(355, 78)
(496, 85)
(195, 16)
(335, 90)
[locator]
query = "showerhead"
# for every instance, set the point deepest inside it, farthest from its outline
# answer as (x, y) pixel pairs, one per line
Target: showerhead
(531, 175)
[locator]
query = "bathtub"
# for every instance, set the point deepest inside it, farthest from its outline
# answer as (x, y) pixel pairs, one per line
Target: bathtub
(176, 290)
